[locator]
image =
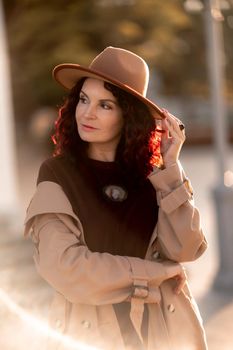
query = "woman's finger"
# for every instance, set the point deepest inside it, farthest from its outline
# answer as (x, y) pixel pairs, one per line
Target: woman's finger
(174, 122)
(181, 281)
(165, 134)
(174, 130)
(168, 114)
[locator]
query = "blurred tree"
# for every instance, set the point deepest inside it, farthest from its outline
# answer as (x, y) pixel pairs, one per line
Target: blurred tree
(228, 43)
(45, 33)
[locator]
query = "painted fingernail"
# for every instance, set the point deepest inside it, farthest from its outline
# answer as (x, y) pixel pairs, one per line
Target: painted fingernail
(160, 130)
(181, 126)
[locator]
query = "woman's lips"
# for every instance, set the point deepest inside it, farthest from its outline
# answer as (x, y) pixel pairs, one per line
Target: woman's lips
(88, 127)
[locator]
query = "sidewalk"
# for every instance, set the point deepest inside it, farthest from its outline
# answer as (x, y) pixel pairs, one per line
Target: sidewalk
(219, 328)
(24, 296)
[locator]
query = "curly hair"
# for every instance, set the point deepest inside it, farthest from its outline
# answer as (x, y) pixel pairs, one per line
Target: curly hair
(139, 147)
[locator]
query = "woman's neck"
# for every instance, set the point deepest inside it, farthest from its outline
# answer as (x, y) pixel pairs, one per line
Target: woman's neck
(101, 153)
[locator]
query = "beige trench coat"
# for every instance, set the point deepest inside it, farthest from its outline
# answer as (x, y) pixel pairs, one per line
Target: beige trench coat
(88, 283)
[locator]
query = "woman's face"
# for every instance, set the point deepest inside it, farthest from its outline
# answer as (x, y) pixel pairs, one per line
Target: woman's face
(98, 115)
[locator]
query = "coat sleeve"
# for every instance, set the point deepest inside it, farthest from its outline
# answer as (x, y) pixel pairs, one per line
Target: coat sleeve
(179, 233)
(65, 262)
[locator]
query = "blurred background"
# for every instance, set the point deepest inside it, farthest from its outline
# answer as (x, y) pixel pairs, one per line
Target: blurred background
(189, 47)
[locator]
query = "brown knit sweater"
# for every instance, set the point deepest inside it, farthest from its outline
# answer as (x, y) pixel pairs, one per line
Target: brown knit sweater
(119, 228)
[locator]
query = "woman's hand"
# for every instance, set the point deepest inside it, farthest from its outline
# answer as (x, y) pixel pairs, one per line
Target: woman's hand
(172, 139)
(177, 272)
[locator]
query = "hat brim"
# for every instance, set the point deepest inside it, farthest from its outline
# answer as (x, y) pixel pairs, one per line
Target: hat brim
(68, 74)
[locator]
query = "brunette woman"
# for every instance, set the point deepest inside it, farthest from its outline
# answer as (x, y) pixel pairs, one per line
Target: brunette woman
(113, 215)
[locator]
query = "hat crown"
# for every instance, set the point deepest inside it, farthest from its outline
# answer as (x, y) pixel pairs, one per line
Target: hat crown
(118, 66)
(123, 66)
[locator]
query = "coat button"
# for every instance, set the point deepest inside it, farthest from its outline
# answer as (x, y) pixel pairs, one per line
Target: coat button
(171, 308)
(58, 323)
(86, 324)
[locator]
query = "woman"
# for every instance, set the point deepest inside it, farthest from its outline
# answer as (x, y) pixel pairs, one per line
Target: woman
(113, 215)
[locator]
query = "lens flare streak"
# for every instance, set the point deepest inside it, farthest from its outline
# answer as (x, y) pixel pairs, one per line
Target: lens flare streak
(39, 325)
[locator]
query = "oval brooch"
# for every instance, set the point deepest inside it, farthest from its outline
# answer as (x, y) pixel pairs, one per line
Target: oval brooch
(115, 193)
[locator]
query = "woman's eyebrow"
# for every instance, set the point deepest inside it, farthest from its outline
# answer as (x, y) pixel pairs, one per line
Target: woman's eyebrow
(102, 99)
(108, 100)
(83, 93)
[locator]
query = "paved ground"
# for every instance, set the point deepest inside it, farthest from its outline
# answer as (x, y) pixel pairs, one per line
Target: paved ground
(24, 296)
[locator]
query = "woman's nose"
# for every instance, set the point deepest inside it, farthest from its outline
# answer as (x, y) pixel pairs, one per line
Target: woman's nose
(90, 112)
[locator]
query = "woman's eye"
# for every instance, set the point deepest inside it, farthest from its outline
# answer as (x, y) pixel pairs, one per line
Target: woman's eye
(82, 99)
(105, 106)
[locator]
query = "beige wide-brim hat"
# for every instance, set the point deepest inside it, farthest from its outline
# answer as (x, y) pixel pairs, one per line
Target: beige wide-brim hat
(117, 66)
